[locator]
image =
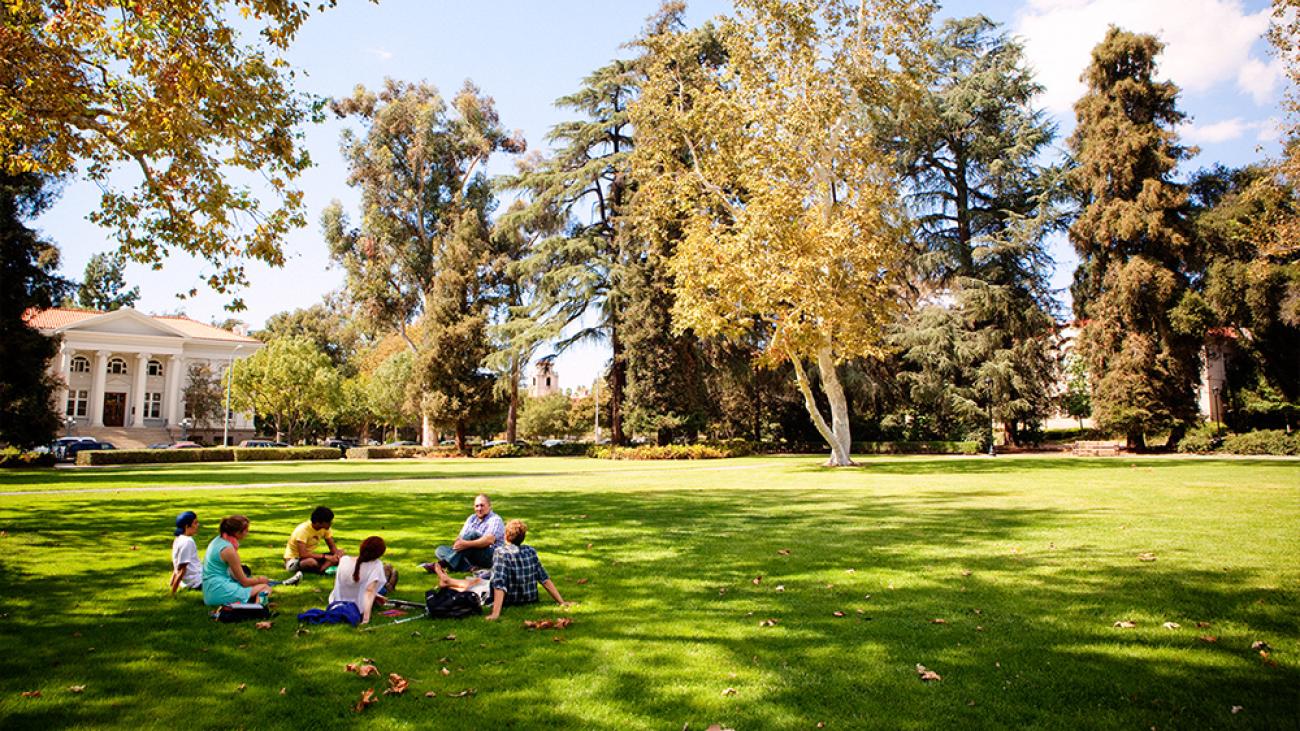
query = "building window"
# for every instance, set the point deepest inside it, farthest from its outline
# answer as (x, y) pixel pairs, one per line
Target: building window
(117, 366)
(77, 403)
(80, 364)
(153, 405)
(155, 368)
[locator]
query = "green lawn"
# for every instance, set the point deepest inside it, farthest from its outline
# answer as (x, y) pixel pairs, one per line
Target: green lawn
(1029, 562)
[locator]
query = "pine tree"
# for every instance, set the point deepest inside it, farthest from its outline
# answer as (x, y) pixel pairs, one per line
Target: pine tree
(103, 285)
(27, 281)
(983, 208)
(580, 264)
(1133, 242)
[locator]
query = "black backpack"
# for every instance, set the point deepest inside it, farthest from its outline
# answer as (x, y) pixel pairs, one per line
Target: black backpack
(451, 604)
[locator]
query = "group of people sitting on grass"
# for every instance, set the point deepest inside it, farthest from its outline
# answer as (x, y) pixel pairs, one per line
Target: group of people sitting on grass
(500, 569)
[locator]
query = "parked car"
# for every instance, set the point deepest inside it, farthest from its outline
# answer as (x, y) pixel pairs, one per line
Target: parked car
(257, 443)
(494, 442)
(160, 445)
(184, 445)
(85, 446)
(402, 444)
(59, 446)
(343, 444)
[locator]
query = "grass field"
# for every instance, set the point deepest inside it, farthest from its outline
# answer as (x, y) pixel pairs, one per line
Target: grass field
(1028, 561)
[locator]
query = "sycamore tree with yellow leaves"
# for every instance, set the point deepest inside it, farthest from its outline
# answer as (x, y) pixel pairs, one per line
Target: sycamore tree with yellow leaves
(779, 184)
(182, 93)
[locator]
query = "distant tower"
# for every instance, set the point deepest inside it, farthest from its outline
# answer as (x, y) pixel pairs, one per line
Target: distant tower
(546, 380)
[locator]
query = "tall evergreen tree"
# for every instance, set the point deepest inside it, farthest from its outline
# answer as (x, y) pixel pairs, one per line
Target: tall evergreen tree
(1133, 243)
(423, 241)
(103, 285)
(983, 208)
(579, 192)
(27, 280)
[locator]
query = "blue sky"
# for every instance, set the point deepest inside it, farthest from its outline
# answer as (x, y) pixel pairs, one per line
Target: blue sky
(526, 54)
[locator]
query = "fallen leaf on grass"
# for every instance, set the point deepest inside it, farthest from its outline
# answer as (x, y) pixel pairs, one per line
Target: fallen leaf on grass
(938, 620)
(397, 685)
(135, 548)
(757, 580)
(431, 694)
(717, 727)
(926, 674)
(783, 552)
(589, 546)
(463, 693)
(367, 699)
(850, 571)
(450, 638)
(722, 591)
(583, 581)
(729, 691)
(560, 623)
(584, 517)
(1171, 625)
(1260, 645)
(31, 694)
(1209, 638)
(76, 688)
(1146, 557)
(263, 625)
(284, 691)
(366, 671)
(1236, 710)
(1202, 625)
(770, 622)
(445, 671)
(979, 628)
(1125, 624)
(837, 613)
(241, 687)
(780, 587)
(965, 572)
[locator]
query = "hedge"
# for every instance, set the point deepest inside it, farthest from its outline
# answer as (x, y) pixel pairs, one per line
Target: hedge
(504, 450)
(202, 454)
(916, 447)
(12, 457)
(650, 451)
(1265, 441)
(401, 452)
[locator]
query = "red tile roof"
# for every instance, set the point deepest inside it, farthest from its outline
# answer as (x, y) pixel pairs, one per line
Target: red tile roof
(60, 317)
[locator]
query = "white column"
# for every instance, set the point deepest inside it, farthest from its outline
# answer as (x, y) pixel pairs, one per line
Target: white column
(175, 387)
(64, 376)
(141, 374)
(98, 374)
(169, 385)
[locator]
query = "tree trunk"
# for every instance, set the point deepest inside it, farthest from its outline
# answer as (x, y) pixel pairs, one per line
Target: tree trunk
(836, 434)
(426, 430)
(617, 384)
(1137, 441)
(460, 436)
(512, 416)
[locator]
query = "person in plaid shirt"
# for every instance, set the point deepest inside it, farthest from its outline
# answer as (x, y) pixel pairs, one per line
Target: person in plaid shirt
(516, 572)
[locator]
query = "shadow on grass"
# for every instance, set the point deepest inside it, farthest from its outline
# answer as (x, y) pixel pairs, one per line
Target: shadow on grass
(669, 620)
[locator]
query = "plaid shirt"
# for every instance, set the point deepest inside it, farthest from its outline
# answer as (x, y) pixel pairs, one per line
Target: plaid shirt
(491, 523)
(517, 571)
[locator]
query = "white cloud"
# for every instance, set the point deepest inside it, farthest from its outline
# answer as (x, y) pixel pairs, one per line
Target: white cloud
(1207, 42)
(380, 53)
(1267, 130)
(1228, 129)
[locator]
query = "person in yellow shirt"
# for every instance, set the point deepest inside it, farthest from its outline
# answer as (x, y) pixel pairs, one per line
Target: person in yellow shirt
(300, 554)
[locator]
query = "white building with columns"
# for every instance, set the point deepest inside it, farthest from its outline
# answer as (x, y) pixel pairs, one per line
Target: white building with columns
(128, 370)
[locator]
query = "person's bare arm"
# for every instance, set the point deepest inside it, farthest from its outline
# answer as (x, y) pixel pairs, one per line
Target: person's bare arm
(498, 601)
(334, 549)
(481, 542)
(177, 573)
(555, 593)
(301, 548)
(368, 601)
(231, 557)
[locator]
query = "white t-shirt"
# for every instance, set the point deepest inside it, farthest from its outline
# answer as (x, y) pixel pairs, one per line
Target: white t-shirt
(347, 590)
(185, 552)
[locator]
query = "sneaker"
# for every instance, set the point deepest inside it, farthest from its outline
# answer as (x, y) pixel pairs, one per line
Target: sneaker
(428, 566)
(292, 580)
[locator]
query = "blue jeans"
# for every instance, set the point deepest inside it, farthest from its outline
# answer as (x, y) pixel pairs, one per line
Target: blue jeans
(462, 561)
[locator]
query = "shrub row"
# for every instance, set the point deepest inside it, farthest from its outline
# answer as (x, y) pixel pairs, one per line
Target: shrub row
(12, 457)
(505, 450)
(1265, 441)
(408, 452)
(650, 451)
(916, 447)
(203, 454)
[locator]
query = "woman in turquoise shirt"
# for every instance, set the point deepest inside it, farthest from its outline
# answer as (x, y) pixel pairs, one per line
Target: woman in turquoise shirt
(224, 580)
